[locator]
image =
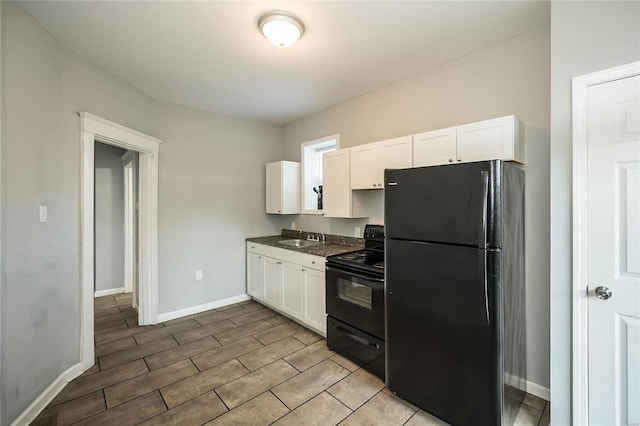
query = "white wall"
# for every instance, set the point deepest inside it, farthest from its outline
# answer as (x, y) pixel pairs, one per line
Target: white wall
(585, 37)
(511, 77)
(109, 217)
(211, 197)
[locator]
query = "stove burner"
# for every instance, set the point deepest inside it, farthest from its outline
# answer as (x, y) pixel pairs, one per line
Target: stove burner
(350, 256)
(379, 265)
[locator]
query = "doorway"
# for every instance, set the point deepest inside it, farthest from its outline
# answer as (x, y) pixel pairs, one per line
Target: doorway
(606, 249)
(96, 129)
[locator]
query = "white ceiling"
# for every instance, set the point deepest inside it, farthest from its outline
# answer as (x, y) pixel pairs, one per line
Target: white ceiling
(211, 55)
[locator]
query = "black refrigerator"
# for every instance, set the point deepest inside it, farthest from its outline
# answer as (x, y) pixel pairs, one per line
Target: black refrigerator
(454, 290)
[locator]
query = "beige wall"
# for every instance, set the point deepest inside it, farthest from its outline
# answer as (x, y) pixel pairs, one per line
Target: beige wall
(511, 77)
(586, 37)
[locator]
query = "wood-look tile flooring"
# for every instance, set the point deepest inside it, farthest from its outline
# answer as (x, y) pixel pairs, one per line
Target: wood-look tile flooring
(241, 364)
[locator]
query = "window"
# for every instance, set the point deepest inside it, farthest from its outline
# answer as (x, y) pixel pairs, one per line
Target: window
(311, 175)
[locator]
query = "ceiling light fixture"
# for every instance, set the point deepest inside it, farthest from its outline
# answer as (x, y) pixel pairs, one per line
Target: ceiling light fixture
(281, 28)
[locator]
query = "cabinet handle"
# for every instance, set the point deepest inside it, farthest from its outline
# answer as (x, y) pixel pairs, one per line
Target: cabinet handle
(374, 184)
(259, 257)
(451, 160)
(313, 262)
(459, 159)
(302, 269)
(278, 263)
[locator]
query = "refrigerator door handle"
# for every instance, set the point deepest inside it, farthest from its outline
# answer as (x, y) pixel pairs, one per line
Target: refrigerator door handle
(485, 203)
(485, 308)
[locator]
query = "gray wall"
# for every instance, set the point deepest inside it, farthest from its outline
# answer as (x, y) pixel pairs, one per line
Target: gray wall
(585, 37)
(511, 77)
(212, 197)
(109, 217)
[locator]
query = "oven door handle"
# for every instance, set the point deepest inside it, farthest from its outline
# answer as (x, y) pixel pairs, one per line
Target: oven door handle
(364, 277)
(357, 338)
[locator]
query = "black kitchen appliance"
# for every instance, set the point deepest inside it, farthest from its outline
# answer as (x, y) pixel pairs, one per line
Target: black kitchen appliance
(355, 302)
(455, 290)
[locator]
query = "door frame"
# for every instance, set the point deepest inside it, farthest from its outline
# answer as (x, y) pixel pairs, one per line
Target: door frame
(129, 219)
(579, 289)
(97, 129)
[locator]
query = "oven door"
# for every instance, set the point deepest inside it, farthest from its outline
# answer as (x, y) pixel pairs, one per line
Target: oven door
(356, 299)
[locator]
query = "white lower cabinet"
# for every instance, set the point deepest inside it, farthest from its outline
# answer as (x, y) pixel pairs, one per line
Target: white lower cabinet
(273, 281)
(289, 282)
(315, 300)
(292, 293)
(255, 275)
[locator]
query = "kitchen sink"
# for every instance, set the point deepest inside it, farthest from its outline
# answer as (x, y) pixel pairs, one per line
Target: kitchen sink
(298, 243)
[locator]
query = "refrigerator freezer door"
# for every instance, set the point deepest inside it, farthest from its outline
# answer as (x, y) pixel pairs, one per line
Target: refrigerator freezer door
(443, 344)
(454, 204)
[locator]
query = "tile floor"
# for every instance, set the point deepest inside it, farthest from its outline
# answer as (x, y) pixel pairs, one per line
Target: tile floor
(241, 364)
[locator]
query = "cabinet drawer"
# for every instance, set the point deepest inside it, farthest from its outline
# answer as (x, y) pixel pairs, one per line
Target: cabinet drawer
(313, 262)
(275, 252)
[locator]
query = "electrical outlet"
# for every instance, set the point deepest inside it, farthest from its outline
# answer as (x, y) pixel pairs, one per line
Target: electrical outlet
(356, 232)
(43, 214)
(293, 224)
(199, 274)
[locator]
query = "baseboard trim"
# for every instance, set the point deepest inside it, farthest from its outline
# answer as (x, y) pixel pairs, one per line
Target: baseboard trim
(109, 292)
(41, 402)
(537, 390)
(168, 316)
(528, 387)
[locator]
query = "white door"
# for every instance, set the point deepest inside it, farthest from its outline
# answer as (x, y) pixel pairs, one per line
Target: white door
(613, 251)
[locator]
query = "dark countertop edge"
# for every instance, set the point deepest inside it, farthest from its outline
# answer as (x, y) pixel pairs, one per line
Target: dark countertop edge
(322, 249)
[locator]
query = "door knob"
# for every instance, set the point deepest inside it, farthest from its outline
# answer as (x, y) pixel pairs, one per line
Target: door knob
(603, 293)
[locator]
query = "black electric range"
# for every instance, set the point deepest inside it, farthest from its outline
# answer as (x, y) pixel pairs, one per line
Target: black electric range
(355, 302)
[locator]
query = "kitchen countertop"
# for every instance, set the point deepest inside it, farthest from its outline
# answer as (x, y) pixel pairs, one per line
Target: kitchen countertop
(334, 244)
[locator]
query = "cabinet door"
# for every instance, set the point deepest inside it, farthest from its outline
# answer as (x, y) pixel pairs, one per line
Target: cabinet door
(292, 293)
(434, 148)
(255, 275)
(274, 187)
(337, 186)
(396, 153)
(487, 140)
(315, 313)
(273, 281)
(364, 167)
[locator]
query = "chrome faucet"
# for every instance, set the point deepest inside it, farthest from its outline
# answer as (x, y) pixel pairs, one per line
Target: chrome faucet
(312, 237)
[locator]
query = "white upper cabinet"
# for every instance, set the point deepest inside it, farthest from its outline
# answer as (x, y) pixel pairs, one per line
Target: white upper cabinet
(369, 161)
(364, 167)
(499, 138)
(337, 196)
(435, 147)
(283, 187)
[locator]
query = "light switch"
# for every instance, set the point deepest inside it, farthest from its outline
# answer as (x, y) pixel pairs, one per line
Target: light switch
(199, 274)
(43, 214)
